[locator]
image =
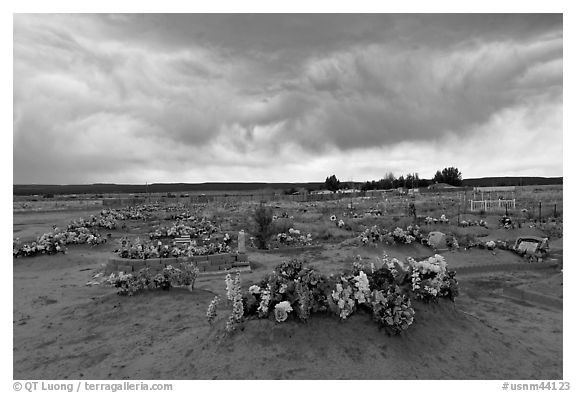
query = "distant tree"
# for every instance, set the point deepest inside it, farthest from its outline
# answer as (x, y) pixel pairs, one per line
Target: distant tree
(438, 178)
(424, 183)
(388, 181)
(452, 176)
(332, 183)
(449, 175)
(410, 181)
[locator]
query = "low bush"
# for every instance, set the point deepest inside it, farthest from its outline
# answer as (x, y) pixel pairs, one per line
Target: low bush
(263, 229)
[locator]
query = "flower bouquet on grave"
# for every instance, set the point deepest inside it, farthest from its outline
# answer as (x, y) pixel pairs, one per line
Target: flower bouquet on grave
(130, 284)
(162, 280)
(392, 310)
(402, 237)
(431, 280)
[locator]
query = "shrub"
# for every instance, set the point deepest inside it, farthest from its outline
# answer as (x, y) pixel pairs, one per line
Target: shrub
(263, 226)
(282, 225)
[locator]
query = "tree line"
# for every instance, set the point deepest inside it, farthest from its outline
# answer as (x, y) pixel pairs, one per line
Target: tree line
(451, 176)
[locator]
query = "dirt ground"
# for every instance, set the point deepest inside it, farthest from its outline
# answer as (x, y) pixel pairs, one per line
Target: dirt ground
(64, 329)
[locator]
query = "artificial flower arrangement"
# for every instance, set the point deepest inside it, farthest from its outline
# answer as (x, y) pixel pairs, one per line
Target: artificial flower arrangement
(191, 227)
(79, 232)
(130, 284)
(339, 222)
(375, 235)
(373, 212)
(372, 235)
(481, 223)
(293, 291)
(178, 211)
(491, 245)
(107, 221)
(283, 215)
(452, 242)
(402, 236)
(431, 220)
(506, 222)
(156, 249)
(55, 242)
(291, 238)
(138, 212)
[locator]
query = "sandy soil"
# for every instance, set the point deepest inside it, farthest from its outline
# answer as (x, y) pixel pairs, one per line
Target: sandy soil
(64, 329)
(549, 286)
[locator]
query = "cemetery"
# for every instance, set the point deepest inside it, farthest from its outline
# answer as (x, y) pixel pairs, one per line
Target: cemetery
(422, 285)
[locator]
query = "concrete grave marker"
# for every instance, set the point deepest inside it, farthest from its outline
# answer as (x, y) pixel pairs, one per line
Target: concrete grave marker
(241, 242)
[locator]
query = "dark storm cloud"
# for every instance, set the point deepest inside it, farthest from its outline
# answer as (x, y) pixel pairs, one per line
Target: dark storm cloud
(98, 95)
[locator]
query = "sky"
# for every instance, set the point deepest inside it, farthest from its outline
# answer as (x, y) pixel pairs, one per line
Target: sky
(197, 98)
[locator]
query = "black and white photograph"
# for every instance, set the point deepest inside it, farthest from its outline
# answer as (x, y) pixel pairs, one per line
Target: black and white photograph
(287, 196)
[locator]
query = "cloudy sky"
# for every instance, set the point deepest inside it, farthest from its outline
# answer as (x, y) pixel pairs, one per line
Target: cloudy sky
(198, 98)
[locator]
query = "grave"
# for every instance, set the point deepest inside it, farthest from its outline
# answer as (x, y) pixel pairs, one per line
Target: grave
(205, 263)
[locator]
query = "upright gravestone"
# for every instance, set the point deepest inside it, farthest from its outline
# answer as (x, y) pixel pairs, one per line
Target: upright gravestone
(241, 242)
(437, 240)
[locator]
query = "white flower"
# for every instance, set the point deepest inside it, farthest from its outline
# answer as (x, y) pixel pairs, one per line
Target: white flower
(265, 300)
(332, 217)
(281, 311)
(254, 289)
(284, 305)
(293, 231)
(229, 287)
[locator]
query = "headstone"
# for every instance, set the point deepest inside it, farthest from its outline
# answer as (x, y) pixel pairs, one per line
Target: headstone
(437, 240)
(241, 242)
(528, 247)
